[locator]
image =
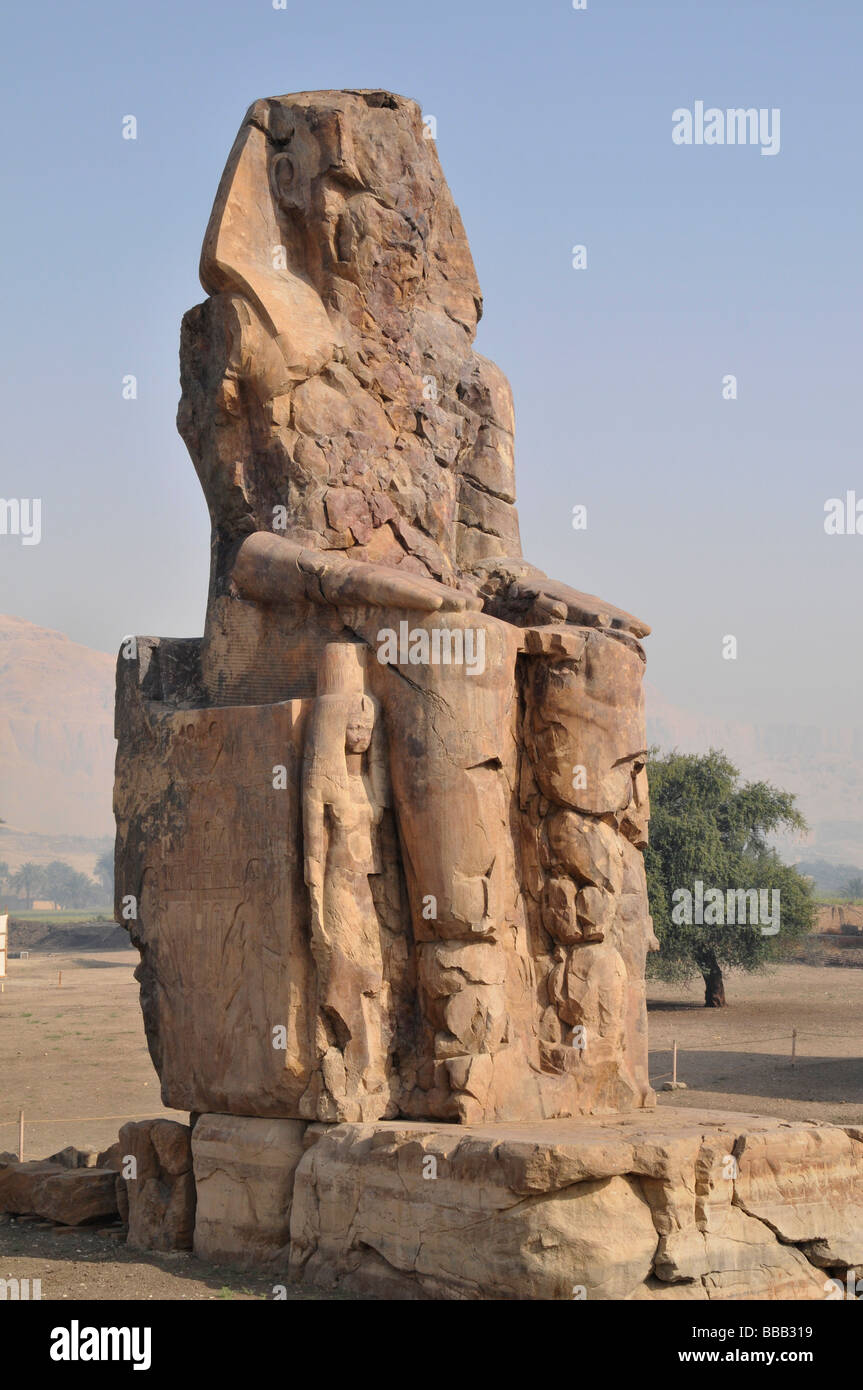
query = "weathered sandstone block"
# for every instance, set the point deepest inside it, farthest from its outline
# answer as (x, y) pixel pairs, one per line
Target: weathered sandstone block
(244, 1174)
(628, 1208)
(69, 1196)
(161, 1195)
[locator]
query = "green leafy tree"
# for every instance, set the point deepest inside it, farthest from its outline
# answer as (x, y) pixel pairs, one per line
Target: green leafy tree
(65, 886)
(707, 826)
(853, 889)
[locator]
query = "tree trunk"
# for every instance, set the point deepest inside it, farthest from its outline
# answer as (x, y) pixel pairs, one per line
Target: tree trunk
(714, 987)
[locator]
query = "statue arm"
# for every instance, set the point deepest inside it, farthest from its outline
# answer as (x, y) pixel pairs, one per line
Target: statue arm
(519, 593)
(489, 544)
(274, 569)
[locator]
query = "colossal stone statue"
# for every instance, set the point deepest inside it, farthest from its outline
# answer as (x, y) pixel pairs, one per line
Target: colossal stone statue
(380, 831)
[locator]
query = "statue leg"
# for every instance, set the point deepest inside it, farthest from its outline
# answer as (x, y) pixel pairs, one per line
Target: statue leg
(584, 823)
(352, 1039)
(452, 754)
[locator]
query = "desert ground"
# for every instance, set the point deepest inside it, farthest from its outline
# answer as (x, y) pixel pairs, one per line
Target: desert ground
(74, 1058)
(739, 1058)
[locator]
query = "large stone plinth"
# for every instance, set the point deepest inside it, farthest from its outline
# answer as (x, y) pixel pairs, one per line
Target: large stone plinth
(680, 1204)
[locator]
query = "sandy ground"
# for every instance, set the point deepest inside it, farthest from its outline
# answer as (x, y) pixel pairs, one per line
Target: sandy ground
(739, 1058)
(85, 1264)
(73, 1056)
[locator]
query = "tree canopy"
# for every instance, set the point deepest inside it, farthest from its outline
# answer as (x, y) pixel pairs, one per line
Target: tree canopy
(57, 882)
(709, 828)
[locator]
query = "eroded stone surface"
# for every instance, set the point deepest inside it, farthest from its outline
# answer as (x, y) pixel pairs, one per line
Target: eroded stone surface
(160, 1190)
(639, 1207)
(808, 1188)
(244, 1173)
(71, 1196)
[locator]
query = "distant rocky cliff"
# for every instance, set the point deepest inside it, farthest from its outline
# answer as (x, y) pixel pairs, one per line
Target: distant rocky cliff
(823, 767)
(56, 732)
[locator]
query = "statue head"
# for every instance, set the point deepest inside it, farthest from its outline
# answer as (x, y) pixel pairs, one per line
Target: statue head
(339, 197)
(343, 718)
(361, 721)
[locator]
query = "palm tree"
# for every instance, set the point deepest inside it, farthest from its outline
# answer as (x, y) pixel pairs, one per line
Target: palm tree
(25, 881)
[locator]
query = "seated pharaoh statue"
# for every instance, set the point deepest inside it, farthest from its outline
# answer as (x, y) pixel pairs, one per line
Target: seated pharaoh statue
(380, 831)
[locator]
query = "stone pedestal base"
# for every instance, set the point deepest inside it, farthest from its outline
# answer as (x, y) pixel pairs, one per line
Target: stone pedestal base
(680, 1204)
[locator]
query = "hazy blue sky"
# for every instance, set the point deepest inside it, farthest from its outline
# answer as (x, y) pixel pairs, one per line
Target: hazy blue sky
(705, 516)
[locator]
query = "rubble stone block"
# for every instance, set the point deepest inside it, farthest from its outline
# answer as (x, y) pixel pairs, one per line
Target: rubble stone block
(160, 1198)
